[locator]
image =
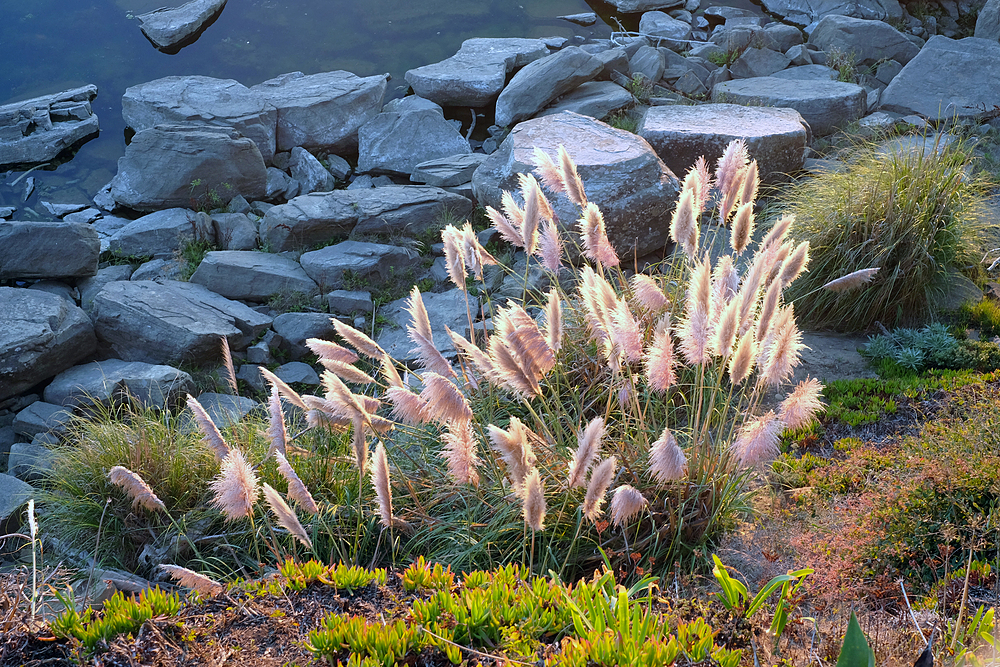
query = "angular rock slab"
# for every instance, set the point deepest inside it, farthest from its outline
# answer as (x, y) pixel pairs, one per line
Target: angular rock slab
(295, 328)
(776, 138)
(173, 166)
(318, 217)
(825, 105)
(171, 323)
(948, 78)
(397, 142)
(621, 173)
(636, 6)
(161, 234)
(171, 29)
(475, 75)
(251, 276)
(115, 382)
(39, 129)
(202, 100)
(447, 171)
(869, 41)
(596, 99)
(804, 12)
(542, 81)
(988, 21)
(48, 250)
(322, 112)
(445, 309)
(366, 260)
(14, 494)
(42, 335)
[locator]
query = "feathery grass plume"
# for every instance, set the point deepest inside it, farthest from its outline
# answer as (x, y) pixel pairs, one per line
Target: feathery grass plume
(600, 300)
(795, 264)
(648, 293)
(743, 226)
(297, 490)
(729, 167)
(444, 401)
(419, 331)
(213, 437)
(321, 412)
(767, 309)
(471, 351)
(341, 401)
(694, 330)
(800, 407)
(507, 370)
(851, 280)
(757, 442)
(751, 181)
(729, 199)
(347, 372)
(359, 443)
(503, 225)
(286, 516)
(227, 360)
(776, 236)
(407, 407)
(553, 321)
(283, 388)
(659, 360)
(358, 340)
(594, 235)
(521, 336)
(460, 452)
(600, 480)
(534, 501)
(380, 482)
(693, 182)
(750, 289)
(625, 333)
(547, 170)
(589, 446)
(277, 434)
(137, 490)
(783, 353)
(199, 583)
(550, 246)
(236, 488)
(684, 226)
(325, 349)
(514, 214)
(724, 336)
(667, 461)
(700, 168)
(474, 254)
(515, 449)
(389, 372)
(626, 503)
(571, 179)
(454, 258)
(532, 215)
(741, 363)
(778, 262)
(725, 283)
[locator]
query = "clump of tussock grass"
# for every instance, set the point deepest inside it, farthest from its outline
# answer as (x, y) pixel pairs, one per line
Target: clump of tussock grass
(916, 213)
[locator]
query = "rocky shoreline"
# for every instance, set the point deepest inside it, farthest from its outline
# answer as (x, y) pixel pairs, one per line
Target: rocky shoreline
(259, 173)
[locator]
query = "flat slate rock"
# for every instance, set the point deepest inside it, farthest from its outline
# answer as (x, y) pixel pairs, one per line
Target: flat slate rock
(14, 494)
(396, 142)
(161, 234)
(804, 12)
(680, 134)
(447, 171)
(171, 323)
(170, 29)
(39, 129)
(115, 381)
(869, 41)
(251, 276)
(373, 261)
(596, 99)
(947, 79)
(33, 250)
(475, 75)
(542, 81)
(825, 105)
(42, 335)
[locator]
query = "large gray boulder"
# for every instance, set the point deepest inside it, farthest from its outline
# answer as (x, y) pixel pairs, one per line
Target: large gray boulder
(664, 29)
(39, 129)
(90, 287)
(396, 209)
(542, 81)
(680, 134)
(475, 75)
(947, 79)
(825, 105)
(322, 112)
(310, 173)
(397, 142)
(115, 381)
(14, 494)
(295, 329)
(758, 62)
(621, 173)
(171, 29)
(42, 335)
(172, 165)
(372, 261)
(202, 100)
(988, 21)
(869, 41)
(805, 12)
(48, 250)
(161, 234)
(636, 6)
(172, 322)
(596, 99)
(251, 276)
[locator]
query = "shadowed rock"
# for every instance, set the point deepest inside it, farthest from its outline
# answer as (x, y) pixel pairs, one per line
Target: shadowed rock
(171, 29)
(39, 129)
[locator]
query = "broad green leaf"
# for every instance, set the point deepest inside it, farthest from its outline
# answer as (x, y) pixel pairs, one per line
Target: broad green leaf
(855, 651)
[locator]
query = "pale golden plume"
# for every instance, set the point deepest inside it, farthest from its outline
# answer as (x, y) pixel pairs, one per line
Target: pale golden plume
(454, 258)
(325, 349)
(503, 225)
(407, 407)
(757, 442)
(553, 321)
(571, 179)
(191, 579)
(347, 372)
(851, 280)
(420, 333)
(550, 246)
(594, 237)
(684, 226)
(460, 452)
(297, 490)
(534, 501)
(659, 360)
(286, 516)
(380, 482)
(213, 437)
(743, 226)
(589, 445)
(444, 402)
(741, 363)
(227, 360)
(136, 489)
(532, 214)
(600, 480)
(358, 340)
(515, 449)
(648, 293)
(277, 434)
(236, 488)
(283, 388)
(548, 171)
(667, 461)
(801, 406)
(626, 503)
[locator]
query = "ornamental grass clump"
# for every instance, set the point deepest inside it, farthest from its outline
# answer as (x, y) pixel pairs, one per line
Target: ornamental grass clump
(915, 213)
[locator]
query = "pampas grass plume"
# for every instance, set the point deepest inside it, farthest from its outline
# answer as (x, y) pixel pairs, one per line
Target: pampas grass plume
(408, 407)
(297, 491)
(191, 579)
(757, 441)
(380, 482)
(800, 407)
(347, 372)
(659, 361)
(325, 349)
(743, 226)
(136, 488)
(667, 461)
(286, 516)
(600, 480)
(851, 280)
(359, 443)
(547, 170)
(515, 450)
(553, 321)
(742, 360)
(626, 503)
(532, 214)
(589, 446)
(422, 336)
(648, 293)
(357, 340)
(571, 179)
(276, 431)
(283, 388)
(503, 225)
(444, 401)
(795, 264)
(454, 258)
(227, 360)
(683, 226)
(534, 501)
(460, 452)
(213, 437)
(236, 487)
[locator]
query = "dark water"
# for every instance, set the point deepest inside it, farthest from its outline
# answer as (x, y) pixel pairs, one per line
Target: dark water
(51, 45)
